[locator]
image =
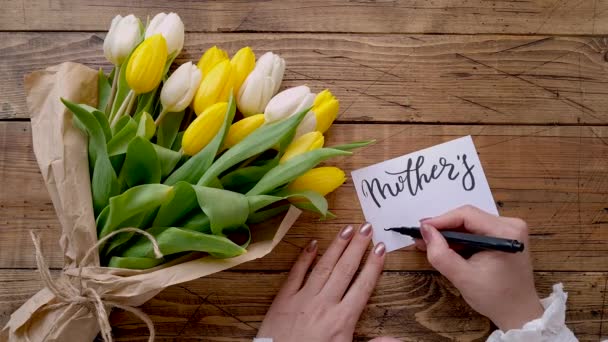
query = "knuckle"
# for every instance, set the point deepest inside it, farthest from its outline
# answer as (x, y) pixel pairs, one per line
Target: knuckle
(349, 270)
(520, 226)
(467, 209)
(367, 286)
(323, 270)
(436, 258)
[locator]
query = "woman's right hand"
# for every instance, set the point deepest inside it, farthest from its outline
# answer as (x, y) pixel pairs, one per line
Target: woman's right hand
(498, 285)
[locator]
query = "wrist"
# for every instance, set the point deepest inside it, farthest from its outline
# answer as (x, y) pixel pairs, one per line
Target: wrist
(518, 318)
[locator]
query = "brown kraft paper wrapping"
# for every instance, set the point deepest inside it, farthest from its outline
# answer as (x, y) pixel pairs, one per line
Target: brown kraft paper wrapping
(61, 152)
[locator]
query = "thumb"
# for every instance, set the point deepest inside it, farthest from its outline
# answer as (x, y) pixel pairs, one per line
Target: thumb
(442, 257)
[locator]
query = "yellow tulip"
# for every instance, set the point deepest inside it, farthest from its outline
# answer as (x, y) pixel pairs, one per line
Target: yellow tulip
(215, 87)
(242, 63)
(307, 142)
(147, 64)
(241, 129)
(323, 113)
(326, 109)
(321, 180)
(204, 128)
(212, 57)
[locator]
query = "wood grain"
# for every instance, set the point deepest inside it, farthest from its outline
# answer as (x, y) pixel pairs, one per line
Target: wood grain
(386, 78)
(554, 177)
(412, 306)
(396, 16)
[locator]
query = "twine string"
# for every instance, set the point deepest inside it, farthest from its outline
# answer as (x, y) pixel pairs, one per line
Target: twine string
(67, 294)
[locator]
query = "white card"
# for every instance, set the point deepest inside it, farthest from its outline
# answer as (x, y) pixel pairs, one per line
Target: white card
(401, 191)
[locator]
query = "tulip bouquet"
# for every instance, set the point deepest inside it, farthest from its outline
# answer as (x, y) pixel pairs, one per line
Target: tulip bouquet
(166, 174)
(197, 184)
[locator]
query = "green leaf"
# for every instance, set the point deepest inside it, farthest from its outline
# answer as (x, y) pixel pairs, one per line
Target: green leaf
(258, 202)
(177, 143)
(145, 104)
(97, 139)
(104, 184)
(136, 222)
(134, 201)
(198, 221)
(267, 214)
(309, 207)
(170, 60)
(236, 233)
(168, 129)
(257, 142)
(243, 179)
(101, 119)
(104, 90)
(134, 263)
(195, 167)
(175, 240)
(293, 168)
(141, 164)
(103, 123)
(121, 140)
(146, 127)
(225, 208)
(117, 162)
(180, 205)
(168, 159)
(122, 122)
(103, 178)
(215, 183)
(353, 145)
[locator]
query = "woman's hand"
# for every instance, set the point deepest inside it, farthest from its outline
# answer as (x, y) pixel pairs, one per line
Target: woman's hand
(324, 308)
(498, 285)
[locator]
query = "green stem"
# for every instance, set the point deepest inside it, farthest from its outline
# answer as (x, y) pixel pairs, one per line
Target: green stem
(131, 103)
(113, 91)
(160, 117)
(123, 107)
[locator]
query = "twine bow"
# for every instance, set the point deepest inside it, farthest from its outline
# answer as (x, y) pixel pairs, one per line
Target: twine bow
(67, 294)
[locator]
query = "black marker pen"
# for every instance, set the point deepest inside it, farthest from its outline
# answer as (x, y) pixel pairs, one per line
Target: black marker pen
(466, 239)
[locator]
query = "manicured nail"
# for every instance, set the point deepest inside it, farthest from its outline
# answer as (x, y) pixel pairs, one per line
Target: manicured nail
(380, 249)
(312, 246)
(366, 229)
(425, 229)
(425, 219)
(347, 232)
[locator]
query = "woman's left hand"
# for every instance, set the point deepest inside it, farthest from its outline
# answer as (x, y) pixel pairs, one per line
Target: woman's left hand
(324, 308)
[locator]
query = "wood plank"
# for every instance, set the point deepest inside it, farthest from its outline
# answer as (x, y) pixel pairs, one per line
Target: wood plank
(554, 177)
(389, 78)
(418, 16)
(412, 306)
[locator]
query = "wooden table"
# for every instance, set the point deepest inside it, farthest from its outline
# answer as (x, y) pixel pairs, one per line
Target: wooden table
(527, 79)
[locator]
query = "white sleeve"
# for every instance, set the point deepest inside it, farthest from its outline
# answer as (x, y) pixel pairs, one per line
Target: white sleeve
(550, 327)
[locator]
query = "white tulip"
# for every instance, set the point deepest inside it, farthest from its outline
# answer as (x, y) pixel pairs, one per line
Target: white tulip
(171, 27)
(122, 38)
(289, 102)
(179, 89)
(261, 84)
(273, 66)
(308, 124)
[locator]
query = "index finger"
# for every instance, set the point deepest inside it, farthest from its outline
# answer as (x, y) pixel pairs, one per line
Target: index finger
(473, 220)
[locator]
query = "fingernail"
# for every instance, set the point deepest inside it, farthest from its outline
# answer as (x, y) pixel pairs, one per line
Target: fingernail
(312, 245)
(366, 229)
(426, 233)
(380, 249)
(425, 219)
(347, 232)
